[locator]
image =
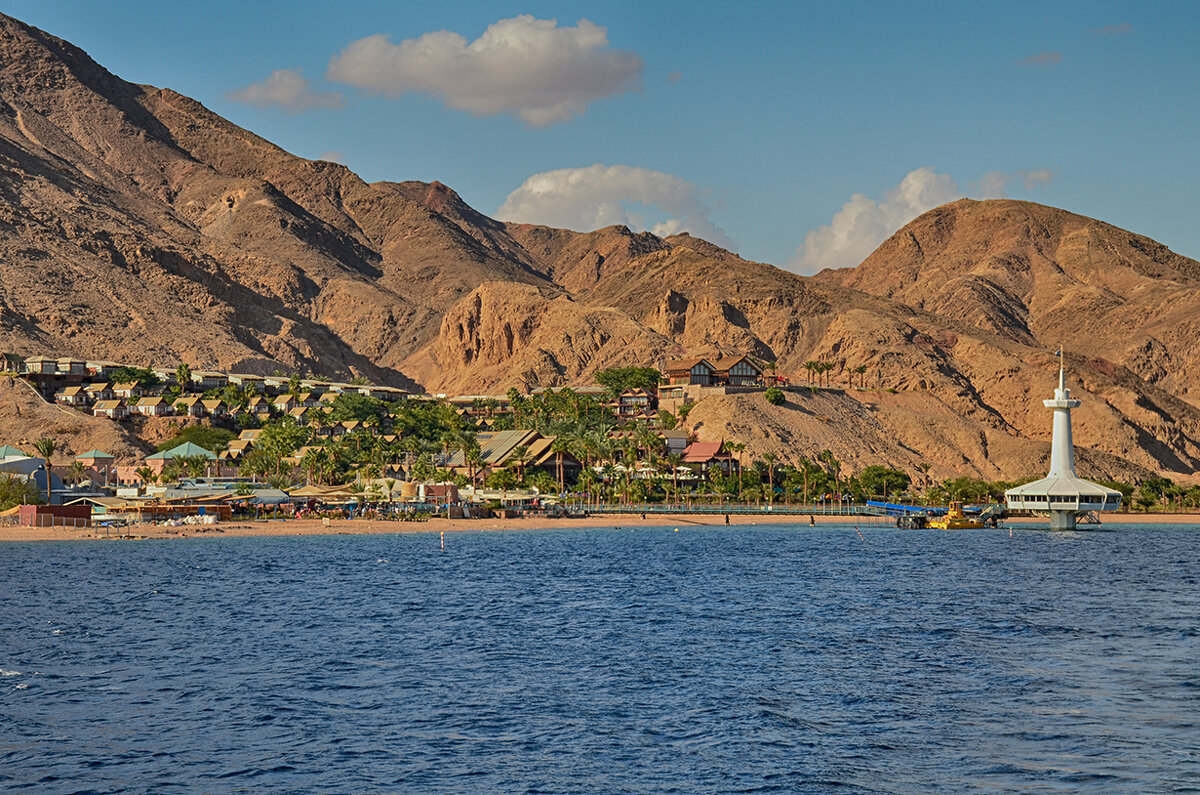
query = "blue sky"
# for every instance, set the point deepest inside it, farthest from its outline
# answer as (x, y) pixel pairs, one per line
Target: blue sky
(798, 133)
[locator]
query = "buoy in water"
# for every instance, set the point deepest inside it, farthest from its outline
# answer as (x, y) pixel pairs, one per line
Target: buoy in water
(676, 529)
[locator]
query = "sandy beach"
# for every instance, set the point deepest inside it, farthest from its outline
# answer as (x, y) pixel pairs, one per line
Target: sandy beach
(302, 527)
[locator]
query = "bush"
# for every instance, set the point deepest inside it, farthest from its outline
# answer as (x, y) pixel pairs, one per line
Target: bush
(775, 396)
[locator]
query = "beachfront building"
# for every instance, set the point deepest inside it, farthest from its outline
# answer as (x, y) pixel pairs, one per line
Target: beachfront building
(101, 464)
(1063, 496)
(708, 454)
(158, 461)
(634, 404)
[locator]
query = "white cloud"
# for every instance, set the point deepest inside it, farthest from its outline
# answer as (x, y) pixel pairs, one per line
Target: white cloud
(528, 67)
(863, 223)
(288, 89)
(589, 198)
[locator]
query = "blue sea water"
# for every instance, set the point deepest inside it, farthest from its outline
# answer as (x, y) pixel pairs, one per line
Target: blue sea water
(765, 659)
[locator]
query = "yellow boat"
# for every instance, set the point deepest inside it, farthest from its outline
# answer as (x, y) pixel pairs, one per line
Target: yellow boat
(955, 519)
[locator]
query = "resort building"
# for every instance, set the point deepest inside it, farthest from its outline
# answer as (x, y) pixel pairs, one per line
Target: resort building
(112, 409)
(737, 371)
(190, 406)
(128, 390)
(71, 396)
(99, 391)
(158, 461)
(153, 407)
(696, 371)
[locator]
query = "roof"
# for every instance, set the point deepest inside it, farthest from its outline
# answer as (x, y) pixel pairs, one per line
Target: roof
(70, 391)
(152, 401)
(8, 450)
(700, 452)
(108, 405)
(684, 365)
(726, 363)
(1061, 486)
(127, 385)
(182, 451)
(93, 454)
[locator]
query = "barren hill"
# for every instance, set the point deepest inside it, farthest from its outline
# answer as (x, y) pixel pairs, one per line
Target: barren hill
(135, 224)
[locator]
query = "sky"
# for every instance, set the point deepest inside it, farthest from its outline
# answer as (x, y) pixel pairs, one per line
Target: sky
(800, 134)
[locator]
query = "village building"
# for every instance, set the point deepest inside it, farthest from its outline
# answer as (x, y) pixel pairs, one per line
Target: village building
(209, 379)
(153, 407)
(40, 365)
(71, 367)
(132, 389)
(301, 415)
(737, 371)
(246, 381)
(12, 362)
(215, 408)
(190, 406)
(71, 396)
(101, 466)
(709, 454)
(634, 404)
(259, 406)
(8, 451)
(158, 461)
(286, 403)
(99, 391)
(696, 371)
(112, 409)
(102, 369)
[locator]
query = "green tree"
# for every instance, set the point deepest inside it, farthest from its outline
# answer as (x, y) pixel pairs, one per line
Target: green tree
(17, 491)
(214, 440)
(183, 377)
(128, 375)
(619, 379)
(881, 481)
(774, 395)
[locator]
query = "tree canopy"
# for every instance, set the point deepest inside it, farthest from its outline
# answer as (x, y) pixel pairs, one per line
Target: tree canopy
(618, 379)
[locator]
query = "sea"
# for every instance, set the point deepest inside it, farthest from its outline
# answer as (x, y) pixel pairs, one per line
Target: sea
(674, 659)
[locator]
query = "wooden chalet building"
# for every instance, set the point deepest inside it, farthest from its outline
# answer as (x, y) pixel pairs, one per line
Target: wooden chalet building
(153, 407)
(696, 371)
(737, 371)
(112, 409)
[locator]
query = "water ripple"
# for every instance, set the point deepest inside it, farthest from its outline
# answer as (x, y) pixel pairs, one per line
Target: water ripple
(773, 659)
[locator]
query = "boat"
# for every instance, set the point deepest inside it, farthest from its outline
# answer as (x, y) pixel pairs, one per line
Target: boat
(955, 519)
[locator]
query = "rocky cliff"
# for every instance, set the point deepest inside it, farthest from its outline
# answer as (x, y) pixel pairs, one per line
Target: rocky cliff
(135, 224)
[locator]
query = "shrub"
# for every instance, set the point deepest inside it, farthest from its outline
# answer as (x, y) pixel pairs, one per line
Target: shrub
(775, 396)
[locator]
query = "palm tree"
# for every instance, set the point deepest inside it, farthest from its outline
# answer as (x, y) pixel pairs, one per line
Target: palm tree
(183, 378)
(861, 372)
(674, 460)
(769, 459)
(45, 447)
(739, 448)
(78, 473)
(811, 367)
(559, 447)
(520, 458)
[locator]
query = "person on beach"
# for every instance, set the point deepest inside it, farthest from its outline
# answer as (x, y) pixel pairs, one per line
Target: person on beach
(726, 520)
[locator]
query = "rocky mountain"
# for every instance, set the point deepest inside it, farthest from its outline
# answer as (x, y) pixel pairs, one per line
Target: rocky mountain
(135, 224)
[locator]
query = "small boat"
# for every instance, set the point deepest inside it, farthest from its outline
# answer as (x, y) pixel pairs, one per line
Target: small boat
(955, 519)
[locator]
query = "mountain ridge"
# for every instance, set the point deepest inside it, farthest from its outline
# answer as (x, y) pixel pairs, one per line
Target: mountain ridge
(201, 242)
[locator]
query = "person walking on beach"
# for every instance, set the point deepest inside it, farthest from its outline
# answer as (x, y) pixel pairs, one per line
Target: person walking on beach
(726, 520)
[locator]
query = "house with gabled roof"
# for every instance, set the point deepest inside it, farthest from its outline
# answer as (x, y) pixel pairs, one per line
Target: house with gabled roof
(132, 389)
(112, 409)
(285, 403)
(258, 406)
(71, 396)
(153, 407)
(737, 371)
(192, 406)
(709, 454)
(695, 371)
(158, 461)
(215, 407)
(99, 391)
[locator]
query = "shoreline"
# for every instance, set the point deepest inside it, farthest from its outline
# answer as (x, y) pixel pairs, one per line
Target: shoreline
(309, 527)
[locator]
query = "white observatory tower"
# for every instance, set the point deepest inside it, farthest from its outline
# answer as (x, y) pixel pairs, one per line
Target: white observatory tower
(1062, 495)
